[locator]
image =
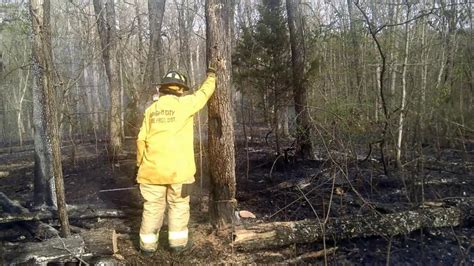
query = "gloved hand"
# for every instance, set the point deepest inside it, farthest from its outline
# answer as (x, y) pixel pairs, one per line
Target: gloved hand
(211, 70)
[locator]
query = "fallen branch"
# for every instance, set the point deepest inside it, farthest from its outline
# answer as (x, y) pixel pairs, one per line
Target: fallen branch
(312, 255)
(443, 181)
(73, 214)
(269, 235)
(14, 212)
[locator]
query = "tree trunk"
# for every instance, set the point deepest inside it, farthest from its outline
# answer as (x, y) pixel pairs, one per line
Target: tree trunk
(303, 132)
(184, 22)
(106, 27)
(404, 94)
(219, 21)
(4, 112)
(153, 71)
(355, 57)
(278, 234)
(22, 92)
(48, 167)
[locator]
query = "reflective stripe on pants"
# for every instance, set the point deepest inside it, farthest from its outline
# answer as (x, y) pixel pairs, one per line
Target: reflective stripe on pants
(148, 242)
(156, 197)
(153, 213)
(178, 216)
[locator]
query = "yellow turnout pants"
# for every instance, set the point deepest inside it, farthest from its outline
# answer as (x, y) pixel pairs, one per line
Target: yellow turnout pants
(156, 199)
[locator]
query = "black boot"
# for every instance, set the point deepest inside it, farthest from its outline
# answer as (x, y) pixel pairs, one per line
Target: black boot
(147, 253)
(182, 249)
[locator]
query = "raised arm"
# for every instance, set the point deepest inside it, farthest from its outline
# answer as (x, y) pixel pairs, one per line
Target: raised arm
(197, 100)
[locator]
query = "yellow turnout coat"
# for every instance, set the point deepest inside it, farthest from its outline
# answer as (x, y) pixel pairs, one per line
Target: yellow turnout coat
(165, 144)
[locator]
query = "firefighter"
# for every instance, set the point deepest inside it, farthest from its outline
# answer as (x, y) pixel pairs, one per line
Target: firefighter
(165, 160)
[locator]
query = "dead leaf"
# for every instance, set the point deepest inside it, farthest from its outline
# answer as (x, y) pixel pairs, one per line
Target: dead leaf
(428, 204)
(114, 242)
(247, 214)
(339, 191)
(118, 256)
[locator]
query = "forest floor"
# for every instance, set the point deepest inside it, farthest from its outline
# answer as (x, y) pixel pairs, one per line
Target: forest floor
(268, 190)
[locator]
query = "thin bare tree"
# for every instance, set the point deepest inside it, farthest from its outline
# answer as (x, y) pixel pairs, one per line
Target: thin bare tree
(403, 104)
(300, 94)
(49, 183)
(106, 26)
(153, 71)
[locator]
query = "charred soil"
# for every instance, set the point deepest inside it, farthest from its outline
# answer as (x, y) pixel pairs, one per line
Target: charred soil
(274, 187)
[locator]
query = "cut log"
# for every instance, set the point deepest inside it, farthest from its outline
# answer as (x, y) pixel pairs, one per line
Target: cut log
(269, 235)
(54, 249)
(99, 241)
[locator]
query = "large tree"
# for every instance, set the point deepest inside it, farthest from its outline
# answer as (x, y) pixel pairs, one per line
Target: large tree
(295, 23)
(219, 21)
(49, 184)
(106, 26)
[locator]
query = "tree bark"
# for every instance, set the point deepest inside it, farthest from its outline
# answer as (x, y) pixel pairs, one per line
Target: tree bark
(278, 234)
(48, 166)
(106, 27)
(219, 21)
(300, 94)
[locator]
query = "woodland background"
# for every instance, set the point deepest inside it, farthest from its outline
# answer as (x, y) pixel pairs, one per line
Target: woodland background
(426, 46)
(338, 108)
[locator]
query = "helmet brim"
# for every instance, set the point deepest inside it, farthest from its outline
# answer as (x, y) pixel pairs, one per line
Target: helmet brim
(185, 88)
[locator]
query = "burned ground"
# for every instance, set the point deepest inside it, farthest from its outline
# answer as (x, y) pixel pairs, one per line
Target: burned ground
(276, 188)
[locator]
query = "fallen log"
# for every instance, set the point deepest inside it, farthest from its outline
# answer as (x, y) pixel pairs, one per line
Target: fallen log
(11, 206)
(52, 250)
(74, 213)
(269, 235)
(97, 242)
(37, 228)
